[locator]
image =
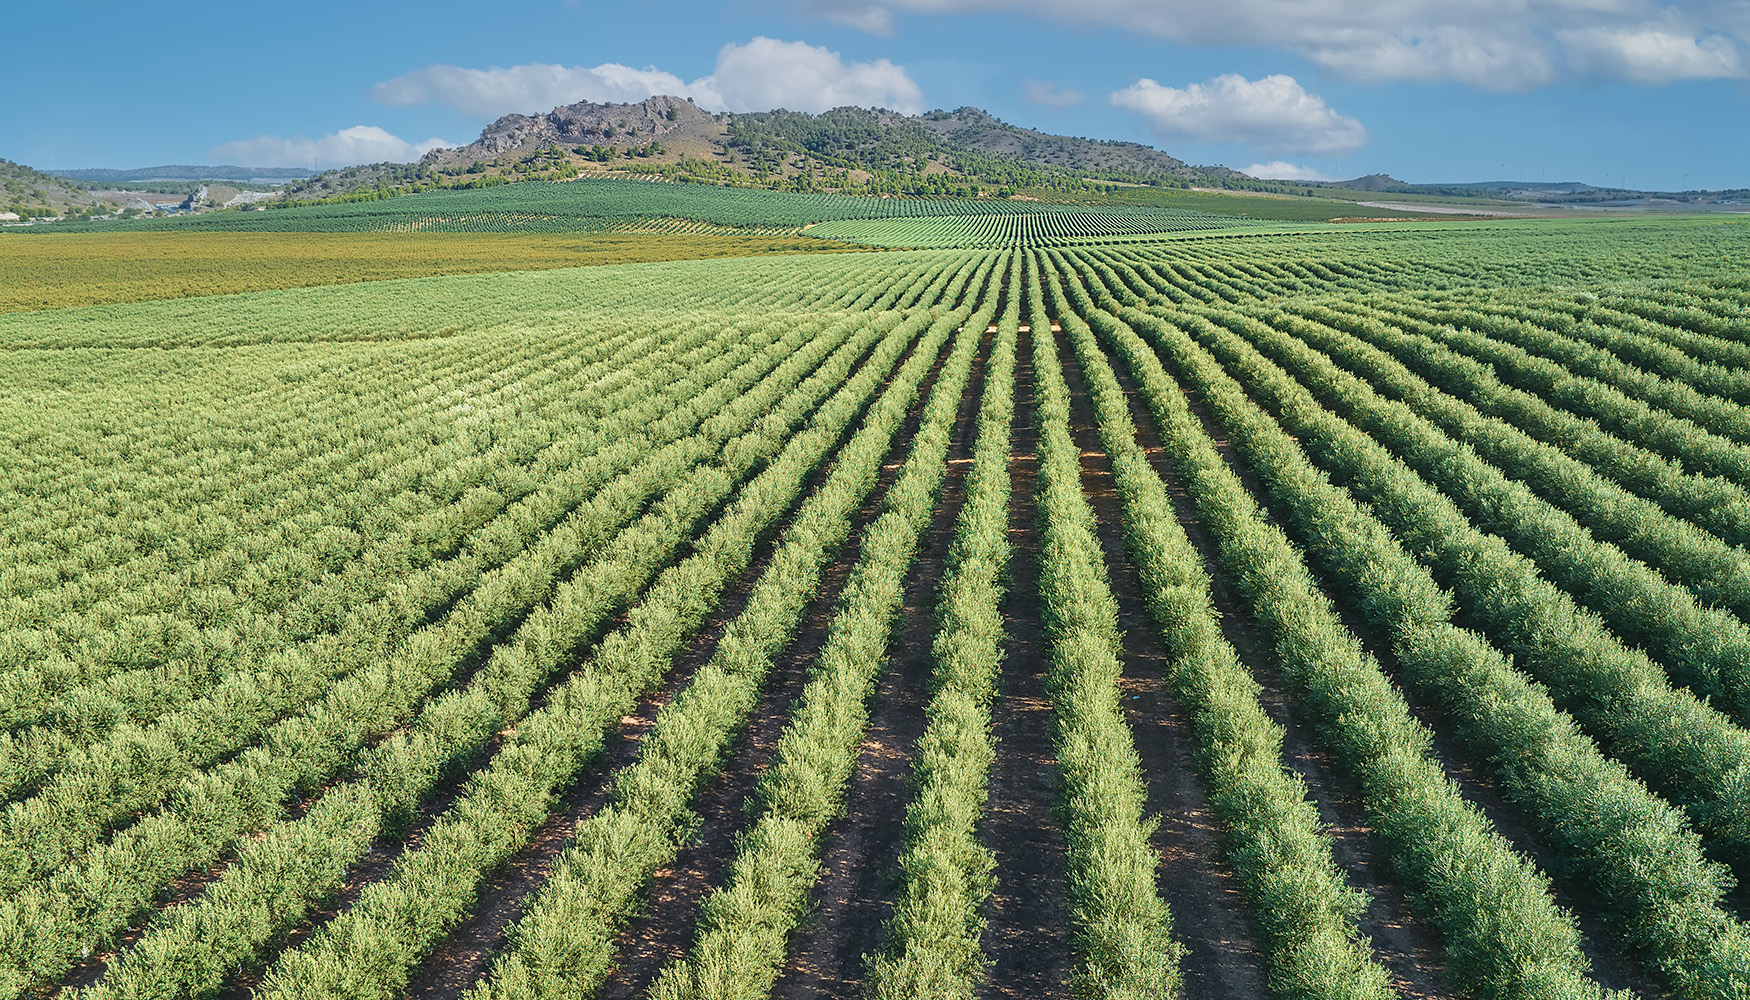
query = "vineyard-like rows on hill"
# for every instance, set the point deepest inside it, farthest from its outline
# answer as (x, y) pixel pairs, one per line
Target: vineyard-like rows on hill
(1346, 614)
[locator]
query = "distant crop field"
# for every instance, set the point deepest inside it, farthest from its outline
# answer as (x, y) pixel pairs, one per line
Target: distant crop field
(60, 270)
(1084, 610)
(1038, 228)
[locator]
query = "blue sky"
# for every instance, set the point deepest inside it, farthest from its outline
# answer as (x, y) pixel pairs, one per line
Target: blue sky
(1651, 94)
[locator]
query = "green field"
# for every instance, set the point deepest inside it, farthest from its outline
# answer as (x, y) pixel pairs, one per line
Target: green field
(1003, 599)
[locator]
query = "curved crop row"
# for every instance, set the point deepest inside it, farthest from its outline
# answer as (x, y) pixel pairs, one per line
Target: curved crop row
(1580, 543)
(1711, 503)
(1672, 740)
(1705, 433)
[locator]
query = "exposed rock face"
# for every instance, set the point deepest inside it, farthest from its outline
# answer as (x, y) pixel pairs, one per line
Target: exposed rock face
(586, 124)
(250, 198)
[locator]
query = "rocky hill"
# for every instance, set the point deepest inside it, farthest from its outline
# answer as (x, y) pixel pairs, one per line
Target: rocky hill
(872, 149)
(966, 152)
(668, 120)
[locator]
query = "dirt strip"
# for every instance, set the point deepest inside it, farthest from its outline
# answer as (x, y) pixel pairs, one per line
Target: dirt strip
(1027, 939)
(1610, 966)
(465, 955)
(859, 866)
(1210, 917)
(667, 926)
(1410, 950)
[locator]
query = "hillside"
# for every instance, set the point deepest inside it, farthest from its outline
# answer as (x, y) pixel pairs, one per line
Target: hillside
(610, 126)
(1371, 182)
(961, 153)
(29, 194)
(966, 142)
(971, 130)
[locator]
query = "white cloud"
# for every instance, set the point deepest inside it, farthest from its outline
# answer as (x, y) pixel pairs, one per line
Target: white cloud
(348, 147)
(1650, 55)
(1491, 44)
(767, 73)
(1282, 170)
(1050, 95)
(532, 88)
(1273, 115)
(761, 75)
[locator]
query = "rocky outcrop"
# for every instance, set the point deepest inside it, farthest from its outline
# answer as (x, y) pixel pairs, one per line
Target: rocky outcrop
(585, 124)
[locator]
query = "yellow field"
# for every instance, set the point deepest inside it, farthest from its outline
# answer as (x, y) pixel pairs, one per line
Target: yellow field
(51, 272)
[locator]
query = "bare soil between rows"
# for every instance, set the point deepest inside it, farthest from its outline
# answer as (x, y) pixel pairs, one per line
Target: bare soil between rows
(853, 897)
(1210, 917)
(1027, 937)
(1408, 949)
(666, 928)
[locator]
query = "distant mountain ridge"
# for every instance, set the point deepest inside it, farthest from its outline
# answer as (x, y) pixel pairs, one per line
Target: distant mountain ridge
(185, 172)
(1372, 182)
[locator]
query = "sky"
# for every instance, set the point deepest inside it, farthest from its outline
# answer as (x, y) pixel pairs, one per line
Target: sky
(1641, 93)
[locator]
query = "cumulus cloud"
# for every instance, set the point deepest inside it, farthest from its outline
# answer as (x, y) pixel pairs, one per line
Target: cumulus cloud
(767, 73)
(1650, 55)
(1492, 44)
(1272, 115)
(530, 88)
(1050, 95)
(1282, 170)
(345, 148)
(760, 75)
